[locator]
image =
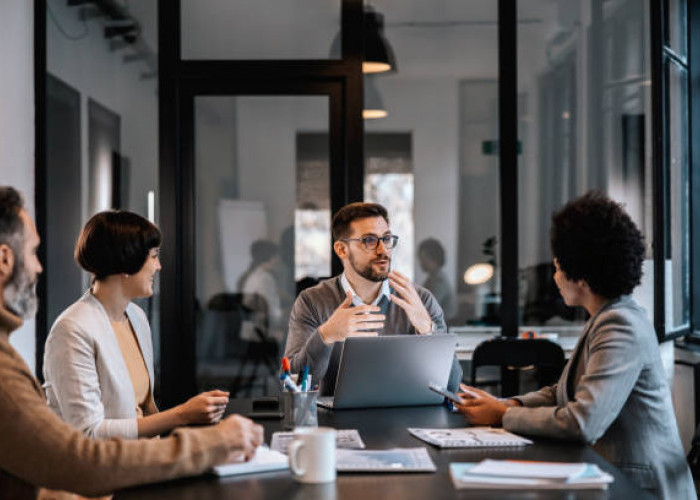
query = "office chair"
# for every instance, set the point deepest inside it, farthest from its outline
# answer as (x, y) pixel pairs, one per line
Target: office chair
(694, 455)
(513, 354)
(260, 351)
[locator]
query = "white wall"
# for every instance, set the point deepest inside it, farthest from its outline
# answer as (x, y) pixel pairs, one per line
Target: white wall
(88, 65)
(428, 109)
(17, 123)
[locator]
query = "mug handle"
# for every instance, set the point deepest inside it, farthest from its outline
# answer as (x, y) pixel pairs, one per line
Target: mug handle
(294, 448)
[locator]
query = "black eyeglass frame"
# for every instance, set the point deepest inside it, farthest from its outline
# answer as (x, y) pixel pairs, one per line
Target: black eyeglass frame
(389, 240)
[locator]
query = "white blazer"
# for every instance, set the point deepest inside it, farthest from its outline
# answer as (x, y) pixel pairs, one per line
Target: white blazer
(87, 382)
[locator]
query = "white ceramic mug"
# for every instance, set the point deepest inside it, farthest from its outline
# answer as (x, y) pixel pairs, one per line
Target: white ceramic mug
(312, 455)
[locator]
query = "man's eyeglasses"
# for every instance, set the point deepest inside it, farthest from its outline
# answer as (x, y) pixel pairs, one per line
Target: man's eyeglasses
(371, 242)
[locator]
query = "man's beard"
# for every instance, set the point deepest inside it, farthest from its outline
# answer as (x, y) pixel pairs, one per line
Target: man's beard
(368, 272)
(20, 293)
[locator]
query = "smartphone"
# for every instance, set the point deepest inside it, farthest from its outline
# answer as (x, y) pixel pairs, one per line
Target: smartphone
(448, 394)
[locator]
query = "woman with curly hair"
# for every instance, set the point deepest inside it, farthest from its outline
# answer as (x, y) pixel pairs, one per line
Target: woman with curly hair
(613, 393)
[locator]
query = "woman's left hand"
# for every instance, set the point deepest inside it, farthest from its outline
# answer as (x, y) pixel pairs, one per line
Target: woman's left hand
(480, 407)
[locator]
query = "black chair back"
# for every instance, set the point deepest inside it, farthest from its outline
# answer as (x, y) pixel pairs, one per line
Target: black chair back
(514, 353)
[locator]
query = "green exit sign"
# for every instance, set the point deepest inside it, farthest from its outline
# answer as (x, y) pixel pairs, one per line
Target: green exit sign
(492, 148)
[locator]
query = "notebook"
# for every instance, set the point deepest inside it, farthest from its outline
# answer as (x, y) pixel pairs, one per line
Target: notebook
(393, 460)
(265, 460)
(469, 437)
(523, 476)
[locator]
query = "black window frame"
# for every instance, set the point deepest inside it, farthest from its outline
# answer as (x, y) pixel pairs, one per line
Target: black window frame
(180, 80)
(662, 57)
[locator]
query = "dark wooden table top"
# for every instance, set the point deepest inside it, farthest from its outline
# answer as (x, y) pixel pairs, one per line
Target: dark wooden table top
(381, 429)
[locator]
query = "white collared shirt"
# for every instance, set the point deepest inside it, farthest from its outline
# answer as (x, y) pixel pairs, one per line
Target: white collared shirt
(356, 300)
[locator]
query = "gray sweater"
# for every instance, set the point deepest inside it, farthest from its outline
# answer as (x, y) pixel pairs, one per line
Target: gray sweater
(315, 305)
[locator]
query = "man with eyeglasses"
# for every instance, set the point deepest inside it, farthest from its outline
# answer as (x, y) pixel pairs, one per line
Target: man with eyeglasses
(367, 299)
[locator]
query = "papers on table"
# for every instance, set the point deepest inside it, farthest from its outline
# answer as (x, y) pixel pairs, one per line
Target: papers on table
(516, 474)
(344, 438)
(393, 460)
(265, 460)
(469, 437)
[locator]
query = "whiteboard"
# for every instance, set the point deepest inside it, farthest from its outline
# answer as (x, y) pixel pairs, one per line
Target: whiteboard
(240, 224)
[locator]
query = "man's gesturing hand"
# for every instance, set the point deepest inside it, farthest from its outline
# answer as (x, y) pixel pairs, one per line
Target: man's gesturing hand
(348, 321)
(410, 302)
(242, 436)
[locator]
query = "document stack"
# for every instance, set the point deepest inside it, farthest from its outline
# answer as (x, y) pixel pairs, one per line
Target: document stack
(525, 475)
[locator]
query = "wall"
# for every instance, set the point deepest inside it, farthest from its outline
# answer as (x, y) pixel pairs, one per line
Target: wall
(88, 65)
(428, 110)
(17, 123)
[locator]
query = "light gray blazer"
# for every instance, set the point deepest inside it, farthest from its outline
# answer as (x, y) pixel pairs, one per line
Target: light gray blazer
(87, 382)
(613, 394)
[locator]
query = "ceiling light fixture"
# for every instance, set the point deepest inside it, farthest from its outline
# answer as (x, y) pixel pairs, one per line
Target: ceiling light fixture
(373, 104)
(377, 54)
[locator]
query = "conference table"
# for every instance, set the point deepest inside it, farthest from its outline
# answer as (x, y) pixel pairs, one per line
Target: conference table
(381, 429)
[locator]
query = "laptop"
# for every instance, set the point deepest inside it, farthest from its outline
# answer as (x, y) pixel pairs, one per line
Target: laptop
(391, 370)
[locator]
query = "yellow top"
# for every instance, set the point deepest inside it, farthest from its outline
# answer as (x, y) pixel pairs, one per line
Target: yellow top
(135, 364)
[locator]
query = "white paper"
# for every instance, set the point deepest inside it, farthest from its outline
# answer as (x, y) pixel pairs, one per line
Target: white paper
(344, 438)
(527, 469)
(264, 460)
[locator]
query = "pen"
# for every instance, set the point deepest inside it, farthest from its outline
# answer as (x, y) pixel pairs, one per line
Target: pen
(288, 383)
(304, 378)
(286, 367)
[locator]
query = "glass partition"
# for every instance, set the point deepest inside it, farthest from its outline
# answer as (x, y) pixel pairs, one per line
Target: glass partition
(101, 132)
(584, 123)
(262, 230)
(433, 157)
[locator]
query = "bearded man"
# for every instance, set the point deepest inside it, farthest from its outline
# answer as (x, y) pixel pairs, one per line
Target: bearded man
(37, 449)
(367, 299)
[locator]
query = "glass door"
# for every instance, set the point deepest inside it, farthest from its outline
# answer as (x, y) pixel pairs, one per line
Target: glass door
(261, 230)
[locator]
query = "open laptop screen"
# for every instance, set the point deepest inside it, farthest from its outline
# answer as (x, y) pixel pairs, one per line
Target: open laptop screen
(393, 370)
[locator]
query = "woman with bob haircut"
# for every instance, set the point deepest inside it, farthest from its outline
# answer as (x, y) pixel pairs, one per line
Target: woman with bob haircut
(613, 393)
(98, 362)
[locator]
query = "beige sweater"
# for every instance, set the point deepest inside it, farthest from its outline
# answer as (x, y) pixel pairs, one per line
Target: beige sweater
(37, 449)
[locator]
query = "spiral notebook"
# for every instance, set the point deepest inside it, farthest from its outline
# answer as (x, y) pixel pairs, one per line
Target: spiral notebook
(469, 437)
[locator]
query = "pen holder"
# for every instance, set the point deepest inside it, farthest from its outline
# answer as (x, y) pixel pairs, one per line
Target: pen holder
(300, 409)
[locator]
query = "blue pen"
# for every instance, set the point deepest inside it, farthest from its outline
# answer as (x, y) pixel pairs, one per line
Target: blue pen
(304, 378)
(288, 383)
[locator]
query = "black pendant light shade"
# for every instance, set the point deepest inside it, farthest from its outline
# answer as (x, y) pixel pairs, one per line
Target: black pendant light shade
(378, 56)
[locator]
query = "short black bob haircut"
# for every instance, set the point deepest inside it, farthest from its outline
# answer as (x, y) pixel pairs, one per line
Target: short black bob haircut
(342, 219)
(115, 242)
(594, 240)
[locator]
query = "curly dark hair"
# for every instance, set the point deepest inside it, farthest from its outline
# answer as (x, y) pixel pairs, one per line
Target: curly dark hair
(594, 240)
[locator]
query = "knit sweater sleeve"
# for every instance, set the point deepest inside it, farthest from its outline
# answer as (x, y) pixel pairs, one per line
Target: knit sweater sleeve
(40, 449)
